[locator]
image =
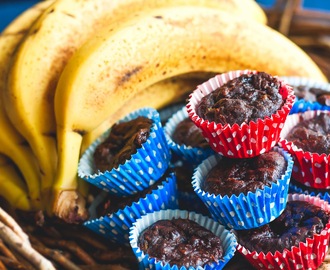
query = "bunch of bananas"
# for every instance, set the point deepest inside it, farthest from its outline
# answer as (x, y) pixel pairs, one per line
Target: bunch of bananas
(71, 68)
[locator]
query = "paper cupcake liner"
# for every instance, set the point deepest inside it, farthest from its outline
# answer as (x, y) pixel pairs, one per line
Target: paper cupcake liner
(193, 155)
(308, 255)
(248, 139)
(302, 105)
(324, 195)
(144, 168)
(244, 211)
(310, 169)
(115, 227)
(167, 112)
(228, 239)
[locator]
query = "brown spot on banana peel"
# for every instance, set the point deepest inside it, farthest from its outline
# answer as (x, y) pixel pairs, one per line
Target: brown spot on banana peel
(68, 14)
(80, 132)
(128, 74)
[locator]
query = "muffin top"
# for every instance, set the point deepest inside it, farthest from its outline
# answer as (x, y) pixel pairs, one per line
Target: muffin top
(235, 175)
(246, 98)
(187, 133)
(181, 242)
(312, 94)
(300, 220)
(312, 135)
(123, 141)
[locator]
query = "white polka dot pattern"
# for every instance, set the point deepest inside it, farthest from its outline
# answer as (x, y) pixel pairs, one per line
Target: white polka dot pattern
(248, 139)
(310, 169)
(255, 208)
(308, 255)
(227, 238)
(115, 227)
(302, 105)
(150, 161)
(191, 154)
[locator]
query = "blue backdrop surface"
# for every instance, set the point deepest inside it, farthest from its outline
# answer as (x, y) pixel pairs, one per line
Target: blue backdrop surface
(9, 9)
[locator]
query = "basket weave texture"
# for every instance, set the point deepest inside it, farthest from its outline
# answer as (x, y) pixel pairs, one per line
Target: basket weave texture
(309, 29)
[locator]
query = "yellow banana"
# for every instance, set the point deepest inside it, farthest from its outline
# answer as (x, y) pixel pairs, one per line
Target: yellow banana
(51, 41)
(12, 144)
(158, 95)
(12, 186)
(116, 64)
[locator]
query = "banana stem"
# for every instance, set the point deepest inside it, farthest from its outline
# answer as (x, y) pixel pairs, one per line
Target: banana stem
(68, 204)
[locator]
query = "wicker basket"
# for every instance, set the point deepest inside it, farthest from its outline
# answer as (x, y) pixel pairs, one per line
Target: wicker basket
(73, 248)
(309, 29)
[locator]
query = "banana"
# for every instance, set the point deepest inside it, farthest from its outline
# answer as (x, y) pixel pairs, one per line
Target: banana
(51, 41)
(12, 186)
(12, 144)
(158, 96)
(117, 64)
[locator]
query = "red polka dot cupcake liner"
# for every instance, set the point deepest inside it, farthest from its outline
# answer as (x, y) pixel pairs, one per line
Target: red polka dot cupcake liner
(310, 169)
(245, 140)
(308, 255)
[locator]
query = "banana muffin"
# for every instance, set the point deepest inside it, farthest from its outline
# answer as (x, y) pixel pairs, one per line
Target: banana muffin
(248, 97)
(312, 94)
(300, 220)
(181, 242)
(312, 135)
(187, 133)
(113, 203)
(123, 141)
(236, 176)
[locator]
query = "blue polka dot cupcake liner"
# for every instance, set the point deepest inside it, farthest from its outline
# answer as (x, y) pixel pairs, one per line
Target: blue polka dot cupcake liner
(167, 112)
(227, 237)
(115, 226)
(301, 105)
(245, 211)
(144, 167)
(194, 155)
(324, 195)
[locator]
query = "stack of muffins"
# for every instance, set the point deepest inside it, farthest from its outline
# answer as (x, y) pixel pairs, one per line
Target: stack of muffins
(245, 185)
(129, 164)
(306, 135)
(132, 164)
(216, 170)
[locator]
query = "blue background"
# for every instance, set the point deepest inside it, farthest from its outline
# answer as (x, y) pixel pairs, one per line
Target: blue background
(9, 9)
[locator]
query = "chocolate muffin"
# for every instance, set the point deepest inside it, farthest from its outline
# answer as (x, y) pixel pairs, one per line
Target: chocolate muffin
(246, 98)
(312, 135)
(113, 203)
(236, 176)
(300, 220)
(123, 141)
(313, 94)
(181, 242)
(187, 133)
